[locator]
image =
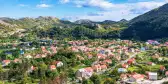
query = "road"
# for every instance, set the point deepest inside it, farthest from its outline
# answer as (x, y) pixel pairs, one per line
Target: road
(122, 62)
(13, 43)
(153, 82)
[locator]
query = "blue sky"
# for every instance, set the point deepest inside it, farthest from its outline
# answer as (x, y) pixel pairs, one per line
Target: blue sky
(96, 10)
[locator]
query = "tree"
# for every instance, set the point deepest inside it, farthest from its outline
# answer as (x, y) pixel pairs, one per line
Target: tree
(87, 81)
(95, 79)
(109, 81)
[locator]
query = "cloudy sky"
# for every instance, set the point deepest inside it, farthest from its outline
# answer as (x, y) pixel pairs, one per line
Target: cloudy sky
(96, 10)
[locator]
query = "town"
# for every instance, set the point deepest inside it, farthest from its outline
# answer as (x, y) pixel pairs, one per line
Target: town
(84, 62)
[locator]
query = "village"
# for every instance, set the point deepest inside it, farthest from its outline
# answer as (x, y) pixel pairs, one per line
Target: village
(114, 61)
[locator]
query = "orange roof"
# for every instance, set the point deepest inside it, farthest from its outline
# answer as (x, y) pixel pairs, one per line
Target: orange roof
(6, 61)
(89, 69)
(52, 67)
(138, 76)
(124, 65)
(103, 66)
(162, 68)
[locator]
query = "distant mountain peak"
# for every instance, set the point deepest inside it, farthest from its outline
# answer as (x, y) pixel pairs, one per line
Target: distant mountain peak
(83, 21)
(123, 21)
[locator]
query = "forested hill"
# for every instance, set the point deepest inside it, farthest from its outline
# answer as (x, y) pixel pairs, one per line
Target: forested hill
(52, 27)
(151, 25)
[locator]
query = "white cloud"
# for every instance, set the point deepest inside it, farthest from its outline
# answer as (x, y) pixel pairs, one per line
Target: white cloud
(64, 1)
(113, 11)
(22, 5)
(43, 6)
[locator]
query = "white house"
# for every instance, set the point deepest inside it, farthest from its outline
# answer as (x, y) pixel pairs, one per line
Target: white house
(122, 70)
(84, 73)
(59, 64)
(152, 75)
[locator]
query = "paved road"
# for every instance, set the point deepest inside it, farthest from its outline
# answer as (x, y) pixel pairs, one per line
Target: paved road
(153, 82)
(13, 43)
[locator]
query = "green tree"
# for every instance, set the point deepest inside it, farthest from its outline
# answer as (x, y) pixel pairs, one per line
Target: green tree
(95, 79)
(88, 81)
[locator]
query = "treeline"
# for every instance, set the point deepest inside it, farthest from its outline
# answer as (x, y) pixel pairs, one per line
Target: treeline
(79, 32)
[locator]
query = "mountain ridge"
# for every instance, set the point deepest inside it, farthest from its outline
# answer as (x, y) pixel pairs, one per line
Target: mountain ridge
(151, 25)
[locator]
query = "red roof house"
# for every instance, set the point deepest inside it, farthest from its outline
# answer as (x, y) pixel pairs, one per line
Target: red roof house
(52, 67)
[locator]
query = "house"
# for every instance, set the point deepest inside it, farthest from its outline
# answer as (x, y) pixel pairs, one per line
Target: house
(101, 56)
(84, 73)
(80, 57)
(118, 58)
(152, 75)
(38, 56)
(143, 49)
(124, 65)
(74, 49)
(151, 63)
(96, 68)
(162, 68)
(103, 67)
(90, 56)
(28, 56)
(52, 67)
(122, 70)
(17, 60)
(153, 42)
(5, 62)
(54, 49)
(136, 77)
(44, 50)
(166, 73)
(131, 61)
(108, 61)
(59, 64)
(123, 77)
(44, 55)
(32, 68)
(166, 43)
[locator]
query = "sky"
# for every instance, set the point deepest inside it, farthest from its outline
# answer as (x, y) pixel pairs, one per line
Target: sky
(96, 10)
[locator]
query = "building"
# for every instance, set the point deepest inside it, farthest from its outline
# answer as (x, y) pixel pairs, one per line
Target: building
(59, 64)
(96, 68)
(152, 75)
(122, 70)
(151, 63)
(31, 69)
(131, 61)
(103, 67)
(166, 73)
(52, 67)
(5, 62)
(84, 73)
(136, 77)
(123, 77)
(124, 65)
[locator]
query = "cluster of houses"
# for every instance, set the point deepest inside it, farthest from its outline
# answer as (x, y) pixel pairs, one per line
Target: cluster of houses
(45, 52)
(104, 55)
(135, 77)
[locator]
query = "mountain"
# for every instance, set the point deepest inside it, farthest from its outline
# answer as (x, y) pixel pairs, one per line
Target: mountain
(151, 25)
(10, 26)
(123, 21)
(42, 27)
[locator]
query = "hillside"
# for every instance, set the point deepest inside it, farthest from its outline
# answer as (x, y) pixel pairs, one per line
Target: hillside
(52, 27)
(151, 25)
